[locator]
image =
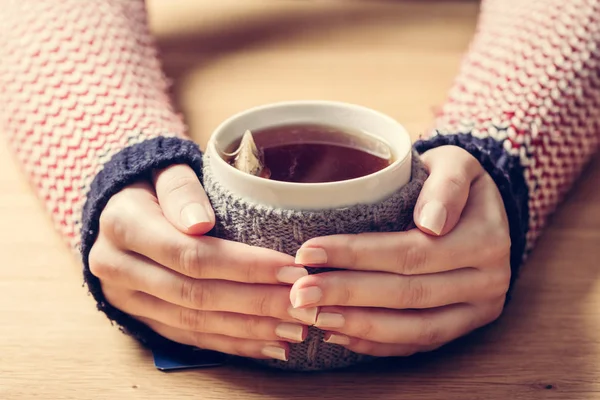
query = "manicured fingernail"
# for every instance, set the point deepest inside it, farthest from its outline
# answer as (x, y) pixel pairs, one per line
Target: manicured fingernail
(275, 352)
(330, 320)
(306, 315)
(291, 274)
(336, 338)
(311, 256)
(307, 296)
(433, 216)
(290, 332)
(194, 214)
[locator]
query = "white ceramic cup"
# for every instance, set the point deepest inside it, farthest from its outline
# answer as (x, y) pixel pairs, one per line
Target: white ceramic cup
(368, 189)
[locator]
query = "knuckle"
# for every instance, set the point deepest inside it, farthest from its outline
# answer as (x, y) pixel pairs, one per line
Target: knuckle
(496, 313)
(499, 243)
(186, 291)
(365, 330)
(415, 294)
(497, 282)
(113, 225)
(192, 320)
(191, 257)
(252, 327)
(504, 243)
(493, 311)
(457, 179)
(104, 269)
(410, 260)
(498, 308)
(352, 251)
(196, 294)
(96, 260)
(251, 274)
(261, 305)
(504, 277)
(428, 334)
(470, 164)
(178, 182)
(346, 295)
(252, 271)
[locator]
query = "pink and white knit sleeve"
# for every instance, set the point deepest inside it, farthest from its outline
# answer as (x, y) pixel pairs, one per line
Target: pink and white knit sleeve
(80, 82)
(526, 103)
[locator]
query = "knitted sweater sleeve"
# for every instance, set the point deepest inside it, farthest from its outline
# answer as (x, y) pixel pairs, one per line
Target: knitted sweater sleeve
(526, 103)
(84, 105)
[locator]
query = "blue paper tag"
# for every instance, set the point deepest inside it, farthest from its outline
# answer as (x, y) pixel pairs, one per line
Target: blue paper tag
(172, 361)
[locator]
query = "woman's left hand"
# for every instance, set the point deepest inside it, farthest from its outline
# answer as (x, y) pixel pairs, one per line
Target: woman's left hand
(407, 292)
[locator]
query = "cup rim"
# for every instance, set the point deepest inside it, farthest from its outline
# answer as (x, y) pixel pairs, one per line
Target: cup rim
(401, 159)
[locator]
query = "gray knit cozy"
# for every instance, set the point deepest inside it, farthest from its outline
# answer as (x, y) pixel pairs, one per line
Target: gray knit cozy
(286, 230)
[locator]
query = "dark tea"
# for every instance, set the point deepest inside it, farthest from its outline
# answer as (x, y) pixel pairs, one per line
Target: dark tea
(305, 153)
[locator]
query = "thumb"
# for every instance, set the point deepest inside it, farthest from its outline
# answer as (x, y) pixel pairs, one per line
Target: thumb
(183, 200)
(446, 190)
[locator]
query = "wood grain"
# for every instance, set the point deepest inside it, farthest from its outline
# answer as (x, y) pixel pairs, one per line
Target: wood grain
(398, 57)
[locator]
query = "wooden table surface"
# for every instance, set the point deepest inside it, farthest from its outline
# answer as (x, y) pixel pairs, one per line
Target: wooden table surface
(397, 57)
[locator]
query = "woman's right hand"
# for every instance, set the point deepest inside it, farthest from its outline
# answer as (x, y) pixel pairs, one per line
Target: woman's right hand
(154, 264)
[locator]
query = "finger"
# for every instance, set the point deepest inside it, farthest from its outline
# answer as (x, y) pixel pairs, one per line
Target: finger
(378, 289)
(368, 347)
(137, 273)
(408, 253)
(481, 236)
(221, 323)
(427, 327)
(257, 349)
(134, 222)
(446, 190)
(183, 200)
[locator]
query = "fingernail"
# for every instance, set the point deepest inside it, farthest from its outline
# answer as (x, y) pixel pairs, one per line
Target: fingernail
(194, 214)
(290, 331)
(433, 216)
(306, 315)
(291, 274)
(311, 256)
(275, 352)
(330, 320)
(336, 338)
(307, 296)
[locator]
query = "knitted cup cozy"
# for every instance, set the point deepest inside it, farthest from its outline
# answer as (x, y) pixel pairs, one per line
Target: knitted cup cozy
(286, 230)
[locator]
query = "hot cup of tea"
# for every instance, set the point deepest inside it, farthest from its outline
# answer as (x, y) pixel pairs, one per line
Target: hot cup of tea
(320, 155)
(280, 174)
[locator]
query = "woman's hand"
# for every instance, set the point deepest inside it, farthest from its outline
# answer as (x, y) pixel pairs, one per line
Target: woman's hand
(197, 290)
(414, 291)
